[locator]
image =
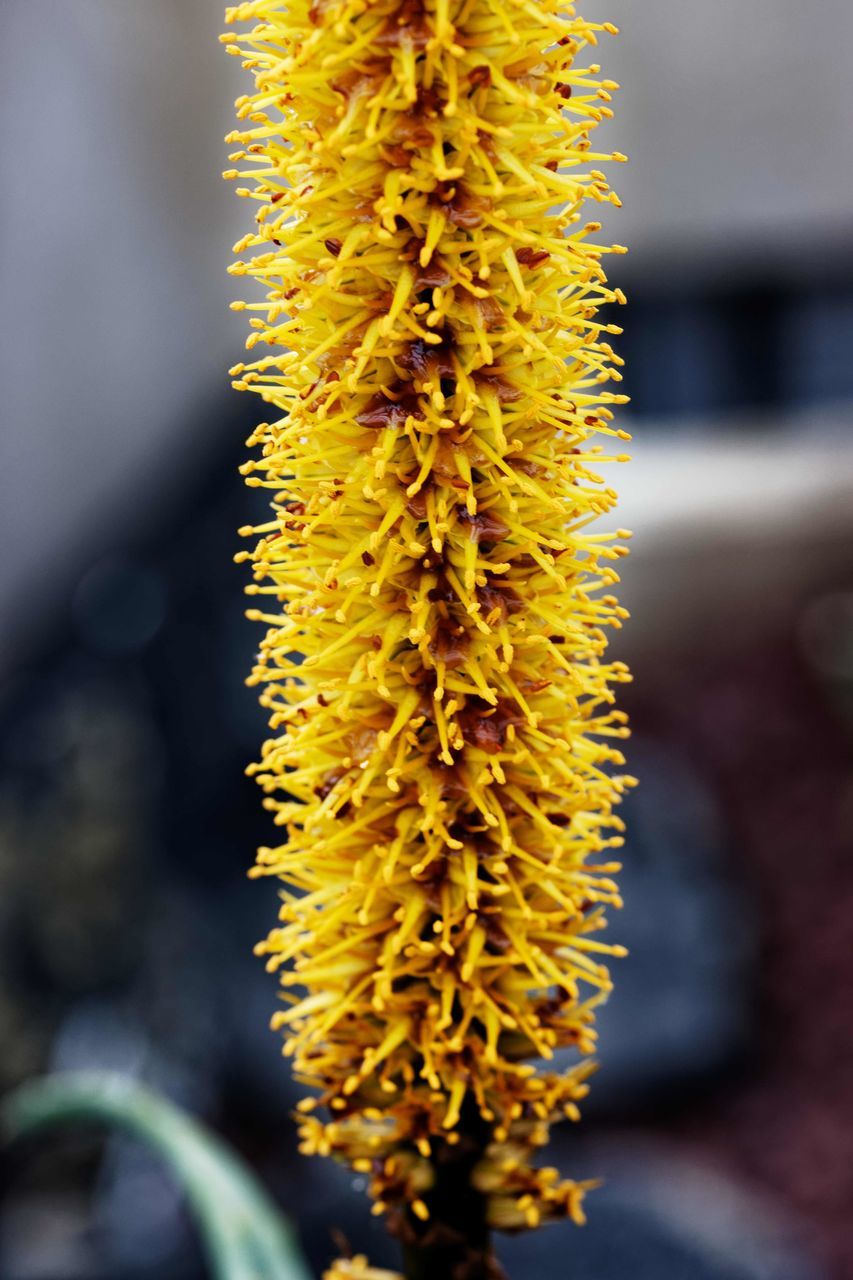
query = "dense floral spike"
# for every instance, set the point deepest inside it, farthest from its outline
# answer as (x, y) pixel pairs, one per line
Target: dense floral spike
(436, 601)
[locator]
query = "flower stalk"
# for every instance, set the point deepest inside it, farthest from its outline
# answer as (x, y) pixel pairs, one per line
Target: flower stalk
(445, 759)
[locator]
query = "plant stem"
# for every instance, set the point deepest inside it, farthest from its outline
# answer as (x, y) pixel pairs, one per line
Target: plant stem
(453, 1262)
(454, 1244)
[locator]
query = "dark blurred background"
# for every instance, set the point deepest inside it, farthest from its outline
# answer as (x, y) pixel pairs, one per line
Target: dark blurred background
(723, 1112)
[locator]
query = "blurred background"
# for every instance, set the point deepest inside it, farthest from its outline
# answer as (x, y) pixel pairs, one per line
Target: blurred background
(723, 1113)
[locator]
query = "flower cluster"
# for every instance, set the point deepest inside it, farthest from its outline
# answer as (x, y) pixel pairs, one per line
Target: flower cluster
(445, 761)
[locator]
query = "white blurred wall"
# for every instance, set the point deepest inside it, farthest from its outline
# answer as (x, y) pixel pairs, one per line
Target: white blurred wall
(737, 117)
(117, 229)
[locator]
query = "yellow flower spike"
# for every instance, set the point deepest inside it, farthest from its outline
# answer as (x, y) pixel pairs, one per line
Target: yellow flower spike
(436, 603)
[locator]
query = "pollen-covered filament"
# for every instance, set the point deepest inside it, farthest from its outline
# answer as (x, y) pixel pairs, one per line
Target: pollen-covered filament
(444, 765)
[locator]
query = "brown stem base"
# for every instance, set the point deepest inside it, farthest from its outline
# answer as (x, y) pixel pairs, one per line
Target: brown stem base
(451, 1262)
(454, 1243)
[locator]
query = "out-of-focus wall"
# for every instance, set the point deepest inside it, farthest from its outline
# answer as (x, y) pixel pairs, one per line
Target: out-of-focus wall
(736, 117)
(113, 292)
